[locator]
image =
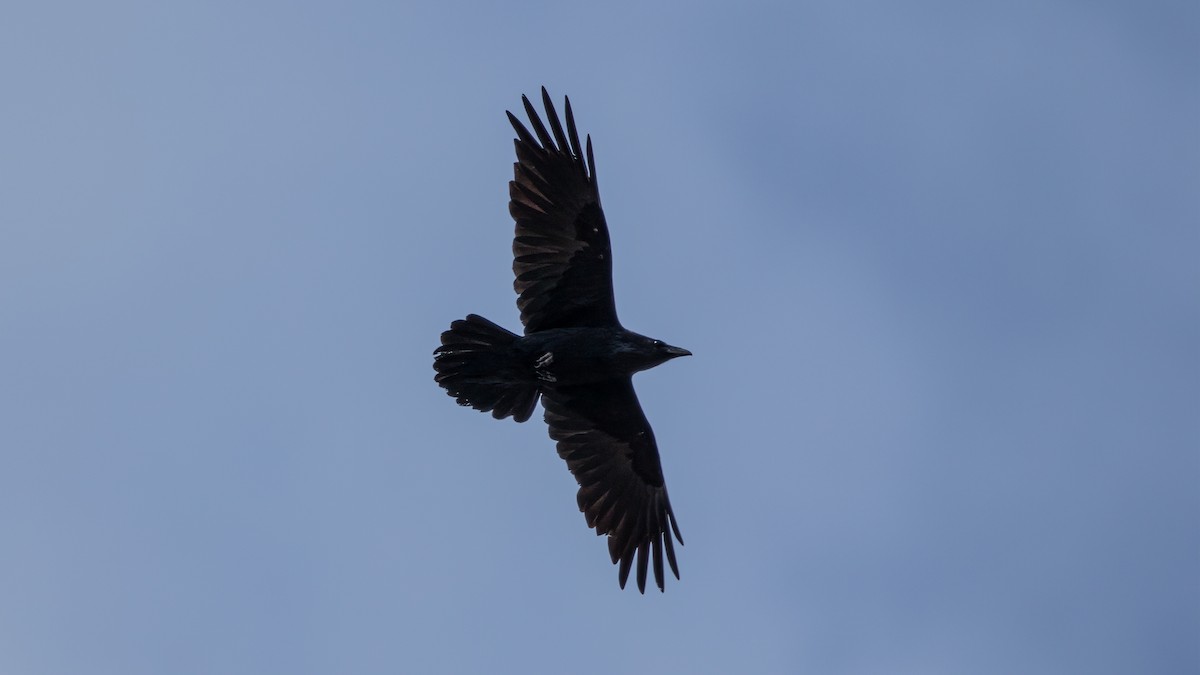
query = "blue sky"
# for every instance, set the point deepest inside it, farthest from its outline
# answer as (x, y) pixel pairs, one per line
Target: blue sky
(937, 263)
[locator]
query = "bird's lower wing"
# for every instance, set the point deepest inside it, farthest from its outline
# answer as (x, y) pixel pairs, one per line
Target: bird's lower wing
(609, 447)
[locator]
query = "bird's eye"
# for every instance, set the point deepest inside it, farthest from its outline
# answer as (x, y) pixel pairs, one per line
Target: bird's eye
(658, 343)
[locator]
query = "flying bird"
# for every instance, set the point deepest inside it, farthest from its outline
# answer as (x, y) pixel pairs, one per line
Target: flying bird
(575, 355)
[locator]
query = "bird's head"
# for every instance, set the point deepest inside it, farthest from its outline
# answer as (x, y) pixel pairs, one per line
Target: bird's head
(669, 352)
(648, 352)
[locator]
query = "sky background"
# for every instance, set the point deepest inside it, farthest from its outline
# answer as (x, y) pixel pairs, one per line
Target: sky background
(937, 263)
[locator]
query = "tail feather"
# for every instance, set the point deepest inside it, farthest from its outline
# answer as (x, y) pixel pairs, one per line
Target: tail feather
(476, 366)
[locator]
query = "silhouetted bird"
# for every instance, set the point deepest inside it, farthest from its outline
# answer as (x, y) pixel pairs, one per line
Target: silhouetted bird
(575, 354)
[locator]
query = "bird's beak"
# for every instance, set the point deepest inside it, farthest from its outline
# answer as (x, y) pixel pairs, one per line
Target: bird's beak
(678, 351)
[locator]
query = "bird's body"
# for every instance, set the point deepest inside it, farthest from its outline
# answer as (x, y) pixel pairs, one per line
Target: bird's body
(575, 355)
(572, 356)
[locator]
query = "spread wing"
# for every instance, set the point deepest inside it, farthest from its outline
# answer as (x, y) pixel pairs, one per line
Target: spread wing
(561, 253)
(609, 448)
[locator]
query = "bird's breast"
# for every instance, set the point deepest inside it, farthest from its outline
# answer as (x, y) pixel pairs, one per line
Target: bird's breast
(572, 356)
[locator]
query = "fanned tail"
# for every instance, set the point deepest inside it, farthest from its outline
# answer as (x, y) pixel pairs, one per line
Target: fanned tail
(476, 365)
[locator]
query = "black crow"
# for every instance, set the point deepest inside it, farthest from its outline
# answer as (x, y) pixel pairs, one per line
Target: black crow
(575, 354)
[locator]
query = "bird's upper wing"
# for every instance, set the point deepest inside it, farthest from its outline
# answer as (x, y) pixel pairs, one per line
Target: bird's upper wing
(609, 447)
(562, 257)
